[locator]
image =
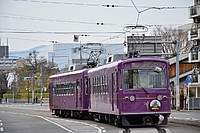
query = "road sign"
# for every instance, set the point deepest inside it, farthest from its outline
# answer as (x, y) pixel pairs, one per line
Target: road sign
(188, 79)
(27, 78)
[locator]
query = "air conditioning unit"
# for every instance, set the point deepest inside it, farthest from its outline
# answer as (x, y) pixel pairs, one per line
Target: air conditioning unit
(115, 57)
(77, 67)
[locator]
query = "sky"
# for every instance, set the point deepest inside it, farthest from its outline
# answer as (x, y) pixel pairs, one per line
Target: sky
(30, 23)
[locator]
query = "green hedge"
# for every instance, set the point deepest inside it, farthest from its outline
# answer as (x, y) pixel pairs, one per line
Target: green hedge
(25, 95)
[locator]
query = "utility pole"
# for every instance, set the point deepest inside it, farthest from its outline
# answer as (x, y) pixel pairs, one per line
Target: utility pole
(177, 78)
(80, 49)
(41, 89)
(34, 69)
(33, 88)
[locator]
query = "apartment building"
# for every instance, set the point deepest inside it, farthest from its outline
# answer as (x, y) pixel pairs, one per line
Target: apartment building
(194, 35)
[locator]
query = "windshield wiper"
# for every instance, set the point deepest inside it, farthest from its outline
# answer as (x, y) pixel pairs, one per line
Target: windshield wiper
(143, 88)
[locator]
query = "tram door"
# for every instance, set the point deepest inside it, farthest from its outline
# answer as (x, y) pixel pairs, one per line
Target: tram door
(114, 90)
(79, 93)
(51, 95)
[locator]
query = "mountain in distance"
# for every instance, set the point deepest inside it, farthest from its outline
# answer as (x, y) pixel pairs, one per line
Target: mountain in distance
(25, 53)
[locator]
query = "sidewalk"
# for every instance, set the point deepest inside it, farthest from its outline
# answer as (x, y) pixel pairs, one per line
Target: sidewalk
(185, 117)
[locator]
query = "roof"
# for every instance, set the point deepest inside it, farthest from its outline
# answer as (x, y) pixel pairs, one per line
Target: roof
(68, 73)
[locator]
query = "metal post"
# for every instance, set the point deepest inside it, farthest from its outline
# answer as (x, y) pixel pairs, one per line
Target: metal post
(188, 96)
(81, 59)
(41, 84)
(28, 95)
(33, 88)
(52, 60)
(177, 78)
(28, 90)
(13, 96)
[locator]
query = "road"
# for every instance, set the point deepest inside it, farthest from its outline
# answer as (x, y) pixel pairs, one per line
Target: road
(24, 123)
(31, 118)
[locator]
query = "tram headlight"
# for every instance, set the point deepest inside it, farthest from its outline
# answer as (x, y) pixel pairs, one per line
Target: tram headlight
(159, 97)
(132, 98)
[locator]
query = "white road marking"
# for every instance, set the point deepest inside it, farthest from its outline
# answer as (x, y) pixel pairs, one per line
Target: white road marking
(56, 124)
(91, 125)
(1, 124)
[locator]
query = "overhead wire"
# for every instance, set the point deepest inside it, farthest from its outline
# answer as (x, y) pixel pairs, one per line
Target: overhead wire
(92, 4)
(80, 22)
(33, 18)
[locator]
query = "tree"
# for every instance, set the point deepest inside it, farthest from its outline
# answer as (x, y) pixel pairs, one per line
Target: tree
(173, 34)
(31, 68)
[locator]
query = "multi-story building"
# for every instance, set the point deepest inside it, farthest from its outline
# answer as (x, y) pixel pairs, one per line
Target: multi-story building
(194, 55)
(63, 55)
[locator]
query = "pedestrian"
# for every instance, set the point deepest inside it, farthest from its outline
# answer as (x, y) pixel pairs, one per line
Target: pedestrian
(41, 100)
(36, 99)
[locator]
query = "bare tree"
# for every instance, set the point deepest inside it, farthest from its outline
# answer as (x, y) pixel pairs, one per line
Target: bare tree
(34, 62)
(173, 34)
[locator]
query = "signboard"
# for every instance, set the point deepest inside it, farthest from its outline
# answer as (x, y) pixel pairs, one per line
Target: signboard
(188, 79)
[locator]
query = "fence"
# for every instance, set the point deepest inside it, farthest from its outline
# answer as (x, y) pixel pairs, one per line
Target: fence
(194, 103)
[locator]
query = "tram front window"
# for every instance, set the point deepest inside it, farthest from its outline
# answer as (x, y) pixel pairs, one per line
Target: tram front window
(144, 78)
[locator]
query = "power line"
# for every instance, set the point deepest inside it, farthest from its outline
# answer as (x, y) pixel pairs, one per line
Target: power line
(62, 32)
(94, 5)
(33, 18)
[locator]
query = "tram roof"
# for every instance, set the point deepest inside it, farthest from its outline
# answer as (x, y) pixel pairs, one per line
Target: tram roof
(68, 73)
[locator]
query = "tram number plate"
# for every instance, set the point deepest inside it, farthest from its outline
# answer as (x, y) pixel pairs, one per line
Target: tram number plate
(148, 123)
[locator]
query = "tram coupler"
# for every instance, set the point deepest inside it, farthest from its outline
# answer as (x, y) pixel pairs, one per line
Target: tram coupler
(147, 121)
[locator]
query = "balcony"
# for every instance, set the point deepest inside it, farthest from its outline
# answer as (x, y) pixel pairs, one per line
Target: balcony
(194, 33)
(194, 11)
(194, 57)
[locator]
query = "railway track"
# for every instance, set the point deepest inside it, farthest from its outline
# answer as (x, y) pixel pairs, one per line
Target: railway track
(150, 130)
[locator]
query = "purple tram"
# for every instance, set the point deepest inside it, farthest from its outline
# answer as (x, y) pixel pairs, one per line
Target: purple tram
(131, 92)
(69, 94)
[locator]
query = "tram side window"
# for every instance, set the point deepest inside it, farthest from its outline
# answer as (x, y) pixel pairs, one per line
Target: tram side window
(103, 85)
(73, 87)
(95, 87)
(106, 83)
(99, 85)
(68, 88)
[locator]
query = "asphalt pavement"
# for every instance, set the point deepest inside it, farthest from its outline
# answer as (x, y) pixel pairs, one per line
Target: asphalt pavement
(185, 117)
